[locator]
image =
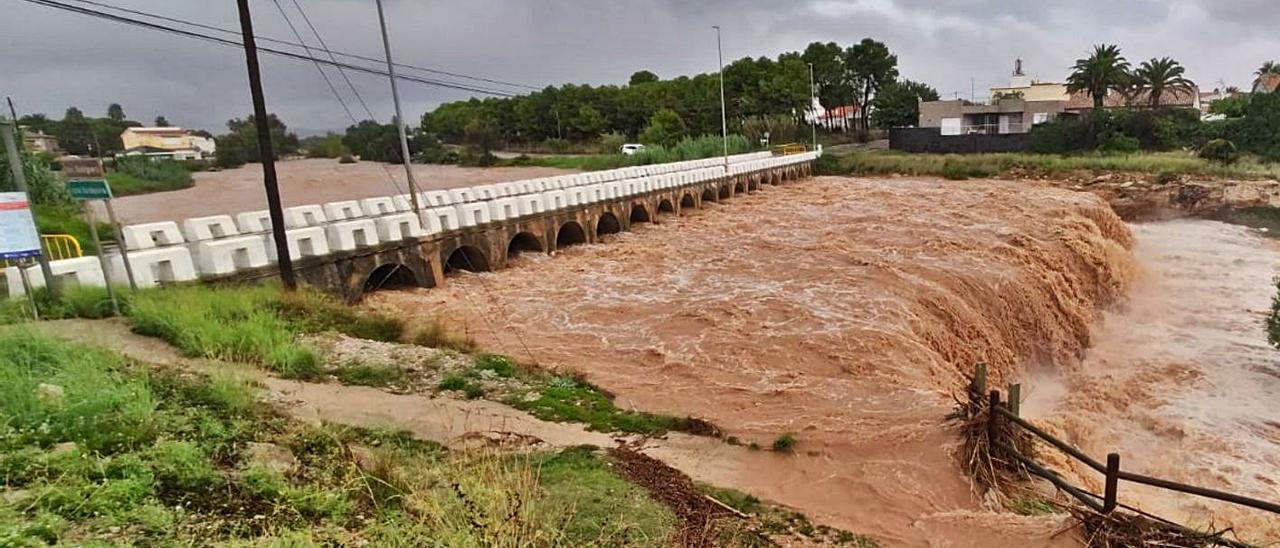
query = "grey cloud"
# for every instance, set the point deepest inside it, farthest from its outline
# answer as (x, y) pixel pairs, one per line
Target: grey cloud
(53, 59)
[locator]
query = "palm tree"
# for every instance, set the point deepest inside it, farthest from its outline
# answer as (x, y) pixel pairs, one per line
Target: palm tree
(1158, 76)
(1100, 73)
(1268, 68)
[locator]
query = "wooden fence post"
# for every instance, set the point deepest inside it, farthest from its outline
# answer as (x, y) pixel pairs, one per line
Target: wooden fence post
(1112, 484)
(1015, 399)
(980, 378)
(993, 421)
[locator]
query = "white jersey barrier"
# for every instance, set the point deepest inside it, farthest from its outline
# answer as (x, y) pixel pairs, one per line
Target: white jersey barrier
(222, 244)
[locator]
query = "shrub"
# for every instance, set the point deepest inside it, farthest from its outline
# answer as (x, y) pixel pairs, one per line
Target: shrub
(140, 175)
(433, 333)
(500, 365)
(611, 142)
(1118, 142)
(1220, 151)
(360, 374)
(453, 381)
(785, 443)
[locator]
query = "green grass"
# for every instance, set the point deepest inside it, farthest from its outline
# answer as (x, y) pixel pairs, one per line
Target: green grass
(963, 166)
(1032, 507)
(68, 219)
(159, 458)
(565, 399)
(142, 176)
(360, 374)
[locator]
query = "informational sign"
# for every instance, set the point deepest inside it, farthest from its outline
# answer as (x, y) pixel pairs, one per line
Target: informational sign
(89, 189)
(18, 236)
(81, 168)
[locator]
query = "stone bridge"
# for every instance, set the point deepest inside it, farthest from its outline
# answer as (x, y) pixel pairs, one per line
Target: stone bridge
(353, 247)
(427, 261)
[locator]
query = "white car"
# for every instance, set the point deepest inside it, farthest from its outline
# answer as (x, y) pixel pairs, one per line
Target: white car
(629, 149)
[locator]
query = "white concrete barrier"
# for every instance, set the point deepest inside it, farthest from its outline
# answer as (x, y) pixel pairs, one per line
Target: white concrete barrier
(151, 235)
(308, 241)
(393, 228)
(595, 193)
(437, 198)
(254, 221)
(209, 228)
(501, 209)
(350, 235)
(472, 214)
(376, 207)
(152, 267)
(555, 200)
(84, 271)
(531, 204)
(227, 255)
(440, 219)
(341, 211)
(462, 195)
(306, 215)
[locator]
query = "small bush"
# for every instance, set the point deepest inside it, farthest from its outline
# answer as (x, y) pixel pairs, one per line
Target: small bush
(433, 333)
(453, 381)
(1119, 143)
(785, 443)
(140, 175)
(500, 365)
(473, 391)
(1220, 151)
(360, 374)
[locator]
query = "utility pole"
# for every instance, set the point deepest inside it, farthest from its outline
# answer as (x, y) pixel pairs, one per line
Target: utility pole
(724, 120)
(266, 151)
(813, 108)
(395, 98)
(9, 133)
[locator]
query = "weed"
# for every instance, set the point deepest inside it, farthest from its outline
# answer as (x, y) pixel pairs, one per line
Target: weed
(500, 365)
(962, 166)
(1032, 507)
(433, 333)
(473, 391)
(360, 374)
(453, 381)
(785, 443)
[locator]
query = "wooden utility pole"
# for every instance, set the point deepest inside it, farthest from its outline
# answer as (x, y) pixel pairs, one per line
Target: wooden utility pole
(265, 150)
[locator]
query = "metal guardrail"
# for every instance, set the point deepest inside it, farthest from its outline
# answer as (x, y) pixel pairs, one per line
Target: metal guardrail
(788, 149)
(1108, 501)
(56, 247)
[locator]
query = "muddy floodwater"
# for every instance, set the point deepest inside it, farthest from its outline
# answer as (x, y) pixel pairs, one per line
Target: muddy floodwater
(847, 312)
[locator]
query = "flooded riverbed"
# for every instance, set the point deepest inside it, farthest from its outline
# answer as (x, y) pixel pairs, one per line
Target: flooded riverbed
(844, 311)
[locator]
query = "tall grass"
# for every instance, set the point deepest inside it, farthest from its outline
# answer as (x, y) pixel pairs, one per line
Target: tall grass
(689, 148)
(137, 175)
(961, 166)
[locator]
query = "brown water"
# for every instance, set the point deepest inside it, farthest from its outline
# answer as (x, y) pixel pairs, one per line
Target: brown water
(843, 310)
(1180, 380)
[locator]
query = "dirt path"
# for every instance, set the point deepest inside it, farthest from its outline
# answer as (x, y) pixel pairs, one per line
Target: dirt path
(305, 182)
(462, 422)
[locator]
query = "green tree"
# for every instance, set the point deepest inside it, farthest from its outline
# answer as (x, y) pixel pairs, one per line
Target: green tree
(829, 74)
(1256, 132)
(665, 128)
(871, 67)
(642, 77)
(328, 145)
(589, 122)
(1232, 106)
(115, 112)
(240, 146)
(1267, 68)
(376, 142)
(1159, 76)
(1103, 71)
(161, 121)
(898, 104)
(75, 134)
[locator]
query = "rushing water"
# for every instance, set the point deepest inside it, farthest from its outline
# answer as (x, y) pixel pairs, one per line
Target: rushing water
(845, 311)
(1180, 380)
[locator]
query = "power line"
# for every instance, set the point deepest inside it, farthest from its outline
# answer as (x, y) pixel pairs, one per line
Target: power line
(287, 43)
(325, 48)
(236, 44)
(319, 68)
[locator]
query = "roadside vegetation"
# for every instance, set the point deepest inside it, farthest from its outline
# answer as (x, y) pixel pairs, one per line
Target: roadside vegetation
(688, 148)
(138, 175)
(1023, 165)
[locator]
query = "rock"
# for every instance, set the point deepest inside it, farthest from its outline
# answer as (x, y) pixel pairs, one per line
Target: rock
(50, 393)
(1126, 184)
(272, 457)
(65, 447)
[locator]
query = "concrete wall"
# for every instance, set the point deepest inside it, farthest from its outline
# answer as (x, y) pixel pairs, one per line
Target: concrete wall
(932, 140)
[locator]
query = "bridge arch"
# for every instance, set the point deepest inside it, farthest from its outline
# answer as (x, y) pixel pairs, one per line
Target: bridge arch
(708, 195)
(639, 213)
(724, 191)
(608, 224)
(570, 233)
(390, 276)
(739, 187)
(687, 201)
(523, 242)
(665, 206)
(467, 257)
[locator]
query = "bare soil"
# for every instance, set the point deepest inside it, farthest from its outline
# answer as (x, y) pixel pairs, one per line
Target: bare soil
(303, 182)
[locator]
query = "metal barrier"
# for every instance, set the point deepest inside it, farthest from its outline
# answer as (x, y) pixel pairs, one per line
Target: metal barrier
(56, 247)
(999, 411)
(788, 149)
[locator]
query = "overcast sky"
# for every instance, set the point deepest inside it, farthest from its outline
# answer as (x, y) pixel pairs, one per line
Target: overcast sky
(52, 59)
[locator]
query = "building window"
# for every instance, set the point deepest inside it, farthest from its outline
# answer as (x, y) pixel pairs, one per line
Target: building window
(1039, 118)
(952, 126)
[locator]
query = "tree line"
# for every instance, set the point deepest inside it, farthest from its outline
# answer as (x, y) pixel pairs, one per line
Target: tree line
(83, 135)
(759, 92)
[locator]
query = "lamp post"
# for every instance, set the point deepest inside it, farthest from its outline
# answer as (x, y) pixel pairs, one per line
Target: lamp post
(724, 120)
(813, 124)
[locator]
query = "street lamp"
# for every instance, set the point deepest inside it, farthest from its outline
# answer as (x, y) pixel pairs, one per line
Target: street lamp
(813, 124)
(724, 120)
